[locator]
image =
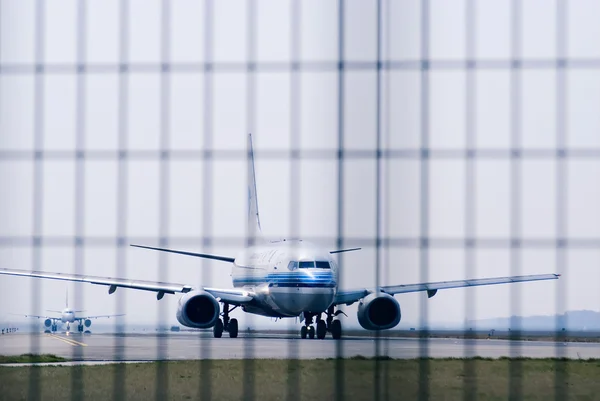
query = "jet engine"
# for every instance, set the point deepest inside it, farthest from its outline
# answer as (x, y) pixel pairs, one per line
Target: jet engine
(87, 322)
(47, 322)
(378, 312)
(198, 309)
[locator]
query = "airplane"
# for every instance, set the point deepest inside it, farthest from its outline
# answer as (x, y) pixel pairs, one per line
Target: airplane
(68, 316)
(285, 278)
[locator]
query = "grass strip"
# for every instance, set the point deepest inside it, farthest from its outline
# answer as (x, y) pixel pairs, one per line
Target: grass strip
(449, 379)
(31, 358)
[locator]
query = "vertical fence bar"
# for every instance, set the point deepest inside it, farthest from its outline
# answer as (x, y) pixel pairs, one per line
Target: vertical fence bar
(385, 192)
(249, 363)
(35, 392)
(424, 368)
(293, 389)
(339, 363)
(469, 378)
(161, 389)
(560, 370)
(207, 184)
(515, 366)
(77, 384)
(377, 382)
(119, 390)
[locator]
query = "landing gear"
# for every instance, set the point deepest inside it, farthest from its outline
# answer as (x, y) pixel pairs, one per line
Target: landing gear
(226, 324)
(233, 328)
(307, 330)
(218, 329)
(336, 329)
(334, 326)
(303, 332)
(54, 328)
(322, 326)
(80, 328)
(321, 329)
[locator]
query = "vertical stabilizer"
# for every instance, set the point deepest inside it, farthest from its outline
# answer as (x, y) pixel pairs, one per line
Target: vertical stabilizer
(254, 230)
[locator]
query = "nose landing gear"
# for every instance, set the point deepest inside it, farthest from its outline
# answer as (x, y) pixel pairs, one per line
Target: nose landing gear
(322, 326)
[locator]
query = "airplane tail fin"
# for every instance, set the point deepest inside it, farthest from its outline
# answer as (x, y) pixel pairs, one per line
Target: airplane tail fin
(254, 231)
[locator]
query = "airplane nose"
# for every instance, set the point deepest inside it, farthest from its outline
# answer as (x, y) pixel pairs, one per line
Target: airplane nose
(294, 301)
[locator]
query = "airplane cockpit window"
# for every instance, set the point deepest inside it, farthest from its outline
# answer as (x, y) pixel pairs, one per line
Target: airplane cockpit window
(307, 265)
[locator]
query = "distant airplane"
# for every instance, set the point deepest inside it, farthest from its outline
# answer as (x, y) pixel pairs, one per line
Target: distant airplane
(68, 316)
(281, 278)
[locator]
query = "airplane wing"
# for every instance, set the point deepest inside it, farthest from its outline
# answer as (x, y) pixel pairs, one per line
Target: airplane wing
(345, 250)
(232, 296)
(41, 317)
(114, 283)
(99, 316)
(351, 296)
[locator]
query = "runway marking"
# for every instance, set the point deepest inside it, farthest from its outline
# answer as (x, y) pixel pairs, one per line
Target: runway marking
(67, 340)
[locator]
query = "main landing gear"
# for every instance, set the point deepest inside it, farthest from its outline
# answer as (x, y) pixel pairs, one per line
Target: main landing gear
(227, 324)
(322, 326)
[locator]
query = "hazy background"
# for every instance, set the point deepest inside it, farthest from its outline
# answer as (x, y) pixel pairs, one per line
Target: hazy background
(126, 122)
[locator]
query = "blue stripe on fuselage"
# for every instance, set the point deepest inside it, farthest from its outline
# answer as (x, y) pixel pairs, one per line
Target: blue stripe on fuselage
(313, 279)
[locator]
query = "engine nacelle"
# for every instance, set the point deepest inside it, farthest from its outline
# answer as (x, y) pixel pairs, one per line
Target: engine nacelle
(378, 312)
(198, 309)
(47, 322)
(87, 322)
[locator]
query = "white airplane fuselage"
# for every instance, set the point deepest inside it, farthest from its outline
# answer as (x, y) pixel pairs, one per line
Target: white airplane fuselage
(67, 315)
(288, 276)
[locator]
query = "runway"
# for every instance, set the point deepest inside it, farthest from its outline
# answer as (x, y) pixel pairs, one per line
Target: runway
(180, 346)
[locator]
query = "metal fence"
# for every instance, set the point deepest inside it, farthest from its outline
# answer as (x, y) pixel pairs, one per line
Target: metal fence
(452, 132)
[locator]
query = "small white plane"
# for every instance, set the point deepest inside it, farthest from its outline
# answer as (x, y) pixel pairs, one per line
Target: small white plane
(68, 316)
(281, 278)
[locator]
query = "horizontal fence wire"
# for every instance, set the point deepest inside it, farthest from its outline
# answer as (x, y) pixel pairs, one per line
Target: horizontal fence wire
(307, 66)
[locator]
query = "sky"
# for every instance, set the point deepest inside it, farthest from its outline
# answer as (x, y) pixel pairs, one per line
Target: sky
(206, 198)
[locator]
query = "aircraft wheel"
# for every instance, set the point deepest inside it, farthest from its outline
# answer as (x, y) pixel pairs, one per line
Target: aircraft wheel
(218, 329)
(303, 332)
(233, 328)
(311, 332)
(321, 329)
(336, 329)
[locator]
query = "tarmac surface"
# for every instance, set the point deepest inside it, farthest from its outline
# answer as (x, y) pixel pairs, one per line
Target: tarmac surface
(196, 345)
